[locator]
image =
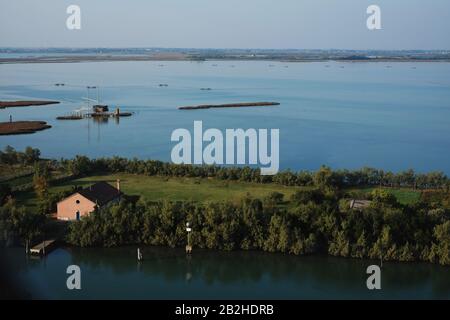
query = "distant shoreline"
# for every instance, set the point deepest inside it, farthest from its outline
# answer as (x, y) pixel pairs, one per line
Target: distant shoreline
(300, 59)
(25, 103)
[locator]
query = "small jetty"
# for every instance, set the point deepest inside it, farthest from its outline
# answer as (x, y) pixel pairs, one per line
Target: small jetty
(70, 117)
(98, 111)
(114, 114)
(231, 105)
(109, 114)
(43, 248)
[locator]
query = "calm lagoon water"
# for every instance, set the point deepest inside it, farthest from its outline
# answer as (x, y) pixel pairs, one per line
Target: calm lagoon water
(170, 274)
(393, 116)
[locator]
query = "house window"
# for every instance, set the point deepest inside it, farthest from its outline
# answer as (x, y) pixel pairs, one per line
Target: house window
(77, 215)
(78, 201)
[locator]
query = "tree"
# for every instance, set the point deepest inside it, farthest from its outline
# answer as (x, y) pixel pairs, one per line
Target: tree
(305, 196)
(31, 155)
(382, 245)
(26, 225)
(360, 249)
(82, 165)
(324, 178)
(275, 198)
(442, 248)
(340, 245)
(382, 196)
(41, 180)
(5, 192)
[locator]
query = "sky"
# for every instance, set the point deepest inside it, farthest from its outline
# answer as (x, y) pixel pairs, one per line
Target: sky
(274, 24)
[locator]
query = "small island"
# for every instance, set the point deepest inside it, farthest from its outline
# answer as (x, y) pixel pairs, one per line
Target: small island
(25, 103)
(22, 127)
(231, 105)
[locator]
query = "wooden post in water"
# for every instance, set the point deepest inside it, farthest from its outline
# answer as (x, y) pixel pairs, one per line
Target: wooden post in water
(381, 257)
(188, 246)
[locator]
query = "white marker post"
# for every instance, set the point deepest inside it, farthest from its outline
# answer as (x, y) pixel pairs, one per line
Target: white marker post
(189, 246)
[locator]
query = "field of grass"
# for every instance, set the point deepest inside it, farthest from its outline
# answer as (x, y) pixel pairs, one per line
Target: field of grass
(403, 195)
(195, 189)
(157, 188)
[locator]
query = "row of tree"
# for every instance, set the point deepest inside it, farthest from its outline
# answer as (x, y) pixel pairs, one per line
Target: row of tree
(28, 157)
(82, 165)
(314, 223)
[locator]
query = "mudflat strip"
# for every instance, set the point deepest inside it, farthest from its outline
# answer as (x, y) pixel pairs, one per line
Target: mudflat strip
(22, 127)
(231, 105)
(25, 103)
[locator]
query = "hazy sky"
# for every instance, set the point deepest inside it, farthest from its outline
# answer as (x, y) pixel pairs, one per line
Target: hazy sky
(303, 24)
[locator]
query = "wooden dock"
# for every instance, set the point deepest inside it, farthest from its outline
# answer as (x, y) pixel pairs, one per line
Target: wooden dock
(108, 114)
(43, 248)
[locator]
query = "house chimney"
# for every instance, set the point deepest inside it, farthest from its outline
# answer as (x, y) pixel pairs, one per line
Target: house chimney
(118, 185)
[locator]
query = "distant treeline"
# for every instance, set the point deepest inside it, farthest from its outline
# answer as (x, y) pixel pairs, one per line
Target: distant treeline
(10, 156)
(82, 165)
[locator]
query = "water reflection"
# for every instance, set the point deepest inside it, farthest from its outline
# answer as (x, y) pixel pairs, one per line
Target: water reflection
(253, 267)
(211, 274)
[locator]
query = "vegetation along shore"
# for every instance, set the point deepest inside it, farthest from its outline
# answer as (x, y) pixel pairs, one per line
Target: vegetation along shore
(366, 213)
(72, 55)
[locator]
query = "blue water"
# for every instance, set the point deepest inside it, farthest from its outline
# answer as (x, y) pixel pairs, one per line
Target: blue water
(114, 273)
(393, 116)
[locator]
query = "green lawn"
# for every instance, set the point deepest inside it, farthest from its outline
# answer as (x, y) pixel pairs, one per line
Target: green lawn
(157, 188)
(403, 195)
(196, 189)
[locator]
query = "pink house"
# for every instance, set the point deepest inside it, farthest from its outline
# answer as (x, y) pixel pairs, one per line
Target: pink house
(85, 201)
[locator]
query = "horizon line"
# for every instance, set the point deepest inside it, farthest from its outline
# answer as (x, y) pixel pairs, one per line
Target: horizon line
(212, 48)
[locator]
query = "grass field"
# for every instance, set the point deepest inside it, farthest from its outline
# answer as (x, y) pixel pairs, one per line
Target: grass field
(157, 188)
(403, 195)
(195, 189)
